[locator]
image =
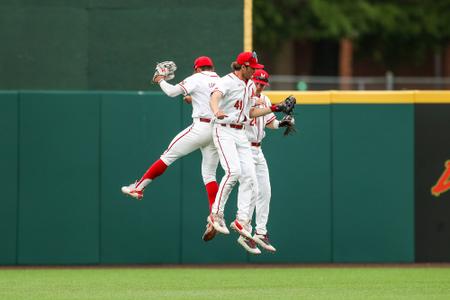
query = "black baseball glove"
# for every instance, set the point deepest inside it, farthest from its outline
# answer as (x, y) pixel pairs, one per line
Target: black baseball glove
(287, 106)
(288, 122)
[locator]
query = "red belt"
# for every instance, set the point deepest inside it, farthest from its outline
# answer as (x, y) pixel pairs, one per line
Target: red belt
(256, 144)
(206, 120)
(235, 126)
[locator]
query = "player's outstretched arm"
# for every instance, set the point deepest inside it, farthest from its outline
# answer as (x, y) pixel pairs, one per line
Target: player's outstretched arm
(170, 90)
(258, 112)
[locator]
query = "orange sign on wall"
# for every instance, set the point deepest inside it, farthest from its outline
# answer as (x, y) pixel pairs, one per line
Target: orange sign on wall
(443, 183)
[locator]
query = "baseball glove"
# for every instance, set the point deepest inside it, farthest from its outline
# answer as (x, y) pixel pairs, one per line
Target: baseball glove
(288, 122)
(287, 106)
(166, 69)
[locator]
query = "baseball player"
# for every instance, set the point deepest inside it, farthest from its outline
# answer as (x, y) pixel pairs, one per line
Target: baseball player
(197, 89)
(231, 104)
(255, 132)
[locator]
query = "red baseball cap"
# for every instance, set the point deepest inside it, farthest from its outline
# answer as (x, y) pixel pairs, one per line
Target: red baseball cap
(261, 76)
(203, 61)
(249, 59)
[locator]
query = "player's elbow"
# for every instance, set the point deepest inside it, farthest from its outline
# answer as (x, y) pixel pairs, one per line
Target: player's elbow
(173, 94)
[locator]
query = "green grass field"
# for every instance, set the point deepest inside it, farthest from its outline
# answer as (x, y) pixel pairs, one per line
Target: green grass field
(227, 283)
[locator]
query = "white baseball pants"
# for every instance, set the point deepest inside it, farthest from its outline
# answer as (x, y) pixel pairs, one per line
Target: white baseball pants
(196, 136)
(236, 160)
(264, 191)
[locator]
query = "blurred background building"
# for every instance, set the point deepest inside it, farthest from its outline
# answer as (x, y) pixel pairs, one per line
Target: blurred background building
(354, 45)
(305, 44)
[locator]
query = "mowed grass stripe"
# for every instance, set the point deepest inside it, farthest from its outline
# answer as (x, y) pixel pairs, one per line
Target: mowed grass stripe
(222, 283)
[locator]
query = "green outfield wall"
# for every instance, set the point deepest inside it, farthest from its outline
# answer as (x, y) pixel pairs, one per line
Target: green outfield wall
(342, 187)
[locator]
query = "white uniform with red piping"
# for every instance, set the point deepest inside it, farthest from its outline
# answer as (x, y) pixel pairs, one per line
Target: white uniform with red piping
(256, 133)
(233, 146)
(198, 134)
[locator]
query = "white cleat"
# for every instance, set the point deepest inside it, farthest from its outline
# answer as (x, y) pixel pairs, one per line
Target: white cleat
(249, 245)
(239, 228)
(218, 222)
(263, 241)
(131, 190)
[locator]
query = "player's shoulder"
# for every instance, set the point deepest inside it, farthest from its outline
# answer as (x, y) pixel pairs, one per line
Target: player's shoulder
(196, 78)
(190, 78)
(227, 78)
(210, 74)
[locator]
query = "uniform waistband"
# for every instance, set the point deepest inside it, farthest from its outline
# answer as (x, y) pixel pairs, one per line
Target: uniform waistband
(204, 120)
(256, 144)
(235, 126)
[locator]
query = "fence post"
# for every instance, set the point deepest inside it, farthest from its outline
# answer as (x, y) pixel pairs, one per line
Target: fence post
(389, 81)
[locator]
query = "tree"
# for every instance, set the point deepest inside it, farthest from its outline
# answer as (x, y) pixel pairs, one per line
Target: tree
(384, 27)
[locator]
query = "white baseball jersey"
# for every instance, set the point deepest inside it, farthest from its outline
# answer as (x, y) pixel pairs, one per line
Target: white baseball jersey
(256, 129)
(233, 146)
(236, 98)
(198, 135)
(200, 86)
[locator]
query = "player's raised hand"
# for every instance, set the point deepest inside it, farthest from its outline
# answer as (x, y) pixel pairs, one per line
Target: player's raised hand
(166, 69)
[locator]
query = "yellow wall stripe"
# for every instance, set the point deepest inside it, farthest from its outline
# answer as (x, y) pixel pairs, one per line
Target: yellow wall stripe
(432, 97)
(362, 97)
(302, 97)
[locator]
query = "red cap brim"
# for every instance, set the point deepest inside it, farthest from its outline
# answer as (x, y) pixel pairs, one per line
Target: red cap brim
(256, 66)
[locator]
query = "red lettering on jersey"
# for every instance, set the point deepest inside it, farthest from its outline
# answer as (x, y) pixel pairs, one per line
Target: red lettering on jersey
(239, 104)
(443, 183)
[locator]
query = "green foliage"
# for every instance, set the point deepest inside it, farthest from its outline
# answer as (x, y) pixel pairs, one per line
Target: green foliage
(383, 28)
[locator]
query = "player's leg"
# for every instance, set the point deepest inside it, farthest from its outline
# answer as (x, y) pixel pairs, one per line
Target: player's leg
(225, 142)
(255, 152)
(248, 189)
(249, 244)
(264, 194)
(262, 203)
(242, 192)
(210, 161)
(184, 143)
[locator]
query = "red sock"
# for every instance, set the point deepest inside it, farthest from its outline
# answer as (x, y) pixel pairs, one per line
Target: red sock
(211, 188)
(158, 168)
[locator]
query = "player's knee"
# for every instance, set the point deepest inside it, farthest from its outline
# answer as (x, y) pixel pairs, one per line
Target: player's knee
(208, 178)
(208, 174)
(168, 159)
(234, 174)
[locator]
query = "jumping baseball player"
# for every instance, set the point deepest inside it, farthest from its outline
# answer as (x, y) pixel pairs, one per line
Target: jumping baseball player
(197, 89)
(231, 103)
(255, 132)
